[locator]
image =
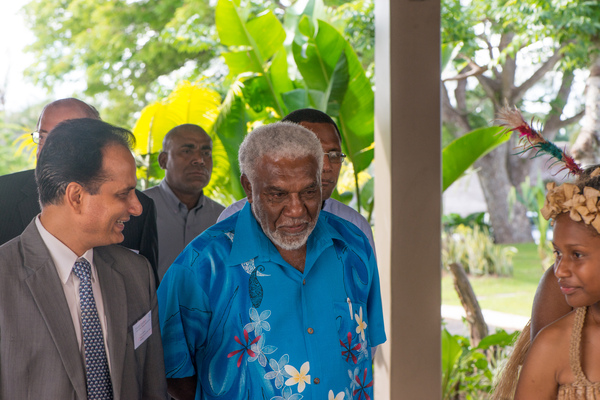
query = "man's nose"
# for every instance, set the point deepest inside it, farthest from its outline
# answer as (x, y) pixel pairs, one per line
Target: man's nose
(295, 207)
(135, 207)
(198, 158)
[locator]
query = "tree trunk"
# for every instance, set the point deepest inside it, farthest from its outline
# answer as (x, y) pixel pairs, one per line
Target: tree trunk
(585, 148)
(495, 182)
(463, 287)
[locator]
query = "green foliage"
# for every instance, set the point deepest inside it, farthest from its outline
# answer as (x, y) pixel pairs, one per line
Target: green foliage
(357, 20)
(461, 153)
(475, 250)
(453, 220)
(122, 46)
(19, 160)
(17, 150)
(495, 33)
(132, 53)
(189, 103)
(332, 80)
(468, 371)
(529, 20)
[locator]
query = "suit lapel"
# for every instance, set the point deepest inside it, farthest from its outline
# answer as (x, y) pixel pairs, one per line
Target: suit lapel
(47, 292)
(115, 308)
(29, 206)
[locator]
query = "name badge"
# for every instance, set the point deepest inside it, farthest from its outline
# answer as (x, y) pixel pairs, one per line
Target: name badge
(142, 329)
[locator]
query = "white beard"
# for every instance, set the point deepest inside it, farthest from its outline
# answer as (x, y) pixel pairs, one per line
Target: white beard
(284, 241)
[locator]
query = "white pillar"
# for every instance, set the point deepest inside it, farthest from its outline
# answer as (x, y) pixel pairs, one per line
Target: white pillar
(408, 196)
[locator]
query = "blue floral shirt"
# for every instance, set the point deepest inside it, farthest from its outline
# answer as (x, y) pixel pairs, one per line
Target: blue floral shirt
(251, 326)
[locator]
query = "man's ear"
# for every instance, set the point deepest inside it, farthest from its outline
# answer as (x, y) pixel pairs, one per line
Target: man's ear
(74, 196)
(247, 187)
(162, 159)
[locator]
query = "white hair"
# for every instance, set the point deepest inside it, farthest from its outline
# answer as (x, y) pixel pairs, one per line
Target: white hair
(280, 139)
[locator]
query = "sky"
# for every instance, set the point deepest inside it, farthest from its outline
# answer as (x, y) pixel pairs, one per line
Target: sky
(14, 36)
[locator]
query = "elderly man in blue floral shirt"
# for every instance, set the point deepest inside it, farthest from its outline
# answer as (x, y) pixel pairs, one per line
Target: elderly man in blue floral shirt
(280, 301)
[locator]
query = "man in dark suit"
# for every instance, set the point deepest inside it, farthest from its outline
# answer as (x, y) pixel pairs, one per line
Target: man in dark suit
(78, 315)
(19, 196)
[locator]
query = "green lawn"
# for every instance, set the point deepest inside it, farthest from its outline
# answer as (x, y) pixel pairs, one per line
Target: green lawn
(511, 295)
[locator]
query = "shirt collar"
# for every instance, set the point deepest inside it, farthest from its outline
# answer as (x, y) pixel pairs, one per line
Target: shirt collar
(63, 257)
(174, 202)
(249, 241)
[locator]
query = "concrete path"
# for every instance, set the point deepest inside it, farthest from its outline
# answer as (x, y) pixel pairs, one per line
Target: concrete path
(453, 317)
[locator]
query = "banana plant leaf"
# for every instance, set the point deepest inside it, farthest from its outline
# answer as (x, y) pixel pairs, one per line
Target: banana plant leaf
(189, 103)
(449, 52)
(231, 128)
(256, 47)
(462, 152)
(330, 66)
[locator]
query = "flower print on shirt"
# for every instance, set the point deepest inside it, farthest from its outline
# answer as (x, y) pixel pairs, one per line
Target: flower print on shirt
(362, 386)
(278, 372)
(246, 348)
(349, 350)
(300, 378)
(339, 396)
(260, 350)
(362, 325)
(286, 394)
(353, 378)
(363, 352)
(348, 395)
(259, 322)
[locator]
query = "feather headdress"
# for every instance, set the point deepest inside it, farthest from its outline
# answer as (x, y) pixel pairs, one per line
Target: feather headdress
(530, 139)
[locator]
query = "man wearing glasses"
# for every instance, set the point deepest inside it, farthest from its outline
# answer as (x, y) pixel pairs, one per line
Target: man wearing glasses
(328, 133)
(19, 202)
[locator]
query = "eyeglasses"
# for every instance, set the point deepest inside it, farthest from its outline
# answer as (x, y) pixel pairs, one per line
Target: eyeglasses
(35, 136)
(335, 157)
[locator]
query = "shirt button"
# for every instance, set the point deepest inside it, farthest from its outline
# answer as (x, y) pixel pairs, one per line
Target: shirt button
(304, 281)
(310, 330)
(316, 381)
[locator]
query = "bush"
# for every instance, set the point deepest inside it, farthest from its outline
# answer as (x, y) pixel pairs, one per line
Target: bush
(475, 250)
(468, 372)
(452, 220)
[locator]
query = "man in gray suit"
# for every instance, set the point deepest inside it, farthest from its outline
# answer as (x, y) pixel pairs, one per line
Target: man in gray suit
(72, 302)
(19, 197)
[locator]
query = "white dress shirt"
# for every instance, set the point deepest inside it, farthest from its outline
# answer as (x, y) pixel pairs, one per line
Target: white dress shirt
(64, 260)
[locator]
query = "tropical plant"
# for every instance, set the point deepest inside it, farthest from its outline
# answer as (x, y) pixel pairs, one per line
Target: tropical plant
(17, 150)
(468, 372)
(190, 103)
(453, 220)
(18, 160)
(474, 249)
(333, 79)
(261, 91)
(461, 153)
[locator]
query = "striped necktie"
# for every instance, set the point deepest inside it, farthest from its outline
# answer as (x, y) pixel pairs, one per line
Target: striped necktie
(99, 386)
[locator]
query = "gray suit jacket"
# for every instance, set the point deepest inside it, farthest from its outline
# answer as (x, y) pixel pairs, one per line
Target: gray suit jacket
(39, 354)
(19, 204)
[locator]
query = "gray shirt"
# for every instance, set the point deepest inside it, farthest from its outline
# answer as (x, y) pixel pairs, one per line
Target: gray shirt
(176, 225)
